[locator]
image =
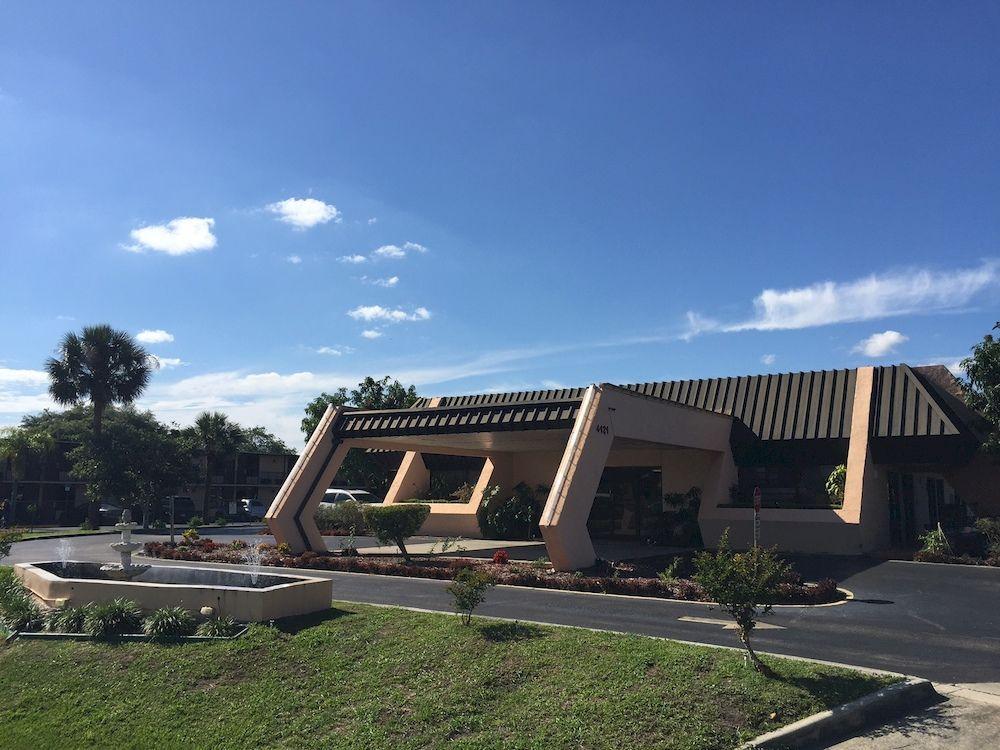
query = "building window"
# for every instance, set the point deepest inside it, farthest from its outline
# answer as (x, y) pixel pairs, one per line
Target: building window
(784, 486)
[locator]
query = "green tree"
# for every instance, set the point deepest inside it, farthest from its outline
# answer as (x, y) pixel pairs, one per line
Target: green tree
(469, 591)
(259, 440)
(982, 387)
(394, 524)
(101, 365)
(361, 469)
(16, 445)
(745, 584)
(216, 436)
(137, 460)
(105, 367)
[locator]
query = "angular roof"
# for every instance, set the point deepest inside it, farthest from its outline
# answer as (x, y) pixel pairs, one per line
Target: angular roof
(907, 402)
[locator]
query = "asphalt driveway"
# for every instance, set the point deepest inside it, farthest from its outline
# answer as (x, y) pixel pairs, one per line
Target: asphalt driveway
(941, 622)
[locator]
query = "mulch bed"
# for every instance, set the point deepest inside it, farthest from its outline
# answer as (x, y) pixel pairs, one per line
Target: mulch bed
(606, 578)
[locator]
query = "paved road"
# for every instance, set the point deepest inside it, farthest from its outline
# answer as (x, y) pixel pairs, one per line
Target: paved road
(941, 622)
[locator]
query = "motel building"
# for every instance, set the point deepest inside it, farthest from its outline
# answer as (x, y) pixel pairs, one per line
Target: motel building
(608, 454)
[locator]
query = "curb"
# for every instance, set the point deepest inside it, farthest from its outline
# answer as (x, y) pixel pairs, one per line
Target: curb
(878, 707)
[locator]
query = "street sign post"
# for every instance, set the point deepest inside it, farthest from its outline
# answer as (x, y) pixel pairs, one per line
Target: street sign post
(756, 516)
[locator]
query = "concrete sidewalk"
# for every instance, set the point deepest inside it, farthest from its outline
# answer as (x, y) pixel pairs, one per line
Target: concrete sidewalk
(968, 719)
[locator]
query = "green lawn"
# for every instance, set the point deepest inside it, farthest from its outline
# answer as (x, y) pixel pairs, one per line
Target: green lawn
(367, 677)
(54, 533)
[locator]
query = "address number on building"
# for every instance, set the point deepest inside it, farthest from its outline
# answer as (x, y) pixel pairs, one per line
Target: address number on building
(601, 429)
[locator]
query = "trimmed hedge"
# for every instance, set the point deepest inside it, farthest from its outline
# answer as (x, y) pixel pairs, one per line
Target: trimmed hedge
(394, 524)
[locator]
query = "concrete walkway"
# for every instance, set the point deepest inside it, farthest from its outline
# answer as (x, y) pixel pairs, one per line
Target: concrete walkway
(965, 720)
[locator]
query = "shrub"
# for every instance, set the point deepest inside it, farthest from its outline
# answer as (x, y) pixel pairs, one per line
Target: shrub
(7, 539)
(117, 617)
(341, 517)
(195, 521)
(238, 544)
(18, 610)
(169, 622)
(191, 535)
(219, 627)
(988, 527)
(283, 549)
(935, 542)
(836, 483)
(670, 573)
(66, 619)
(393, 524)
(469, 590)
(501, 557)
(87, 526)
(745, 584)
(221, 521)
(541, 563)
(510, 517)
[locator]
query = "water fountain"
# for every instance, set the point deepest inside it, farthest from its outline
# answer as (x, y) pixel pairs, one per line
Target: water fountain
(253, 556)
(65, 551)
(125, 570)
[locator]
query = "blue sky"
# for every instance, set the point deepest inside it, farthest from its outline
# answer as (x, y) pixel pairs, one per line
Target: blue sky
(562, 193)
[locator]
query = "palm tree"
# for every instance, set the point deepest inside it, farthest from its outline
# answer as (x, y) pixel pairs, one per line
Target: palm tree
(16, 443)
(101, 365)
(217, 437)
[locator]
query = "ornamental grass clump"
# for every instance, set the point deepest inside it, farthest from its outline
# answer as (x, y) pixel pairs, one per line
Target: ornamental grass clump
(219, 627)
(67, 619)
(18, 610)
(169, 622)
(117, 617)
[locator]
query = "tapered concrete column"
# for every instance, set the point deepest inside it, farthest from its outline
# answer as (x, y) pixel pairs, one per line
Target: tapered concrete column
(865, 498)
(291, 516)
(412, 479)
(564, 519)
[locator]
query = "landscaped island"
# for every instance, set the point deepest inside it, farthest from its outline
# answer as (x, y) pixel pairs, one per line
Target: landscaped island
(635, 579)
(368, 677)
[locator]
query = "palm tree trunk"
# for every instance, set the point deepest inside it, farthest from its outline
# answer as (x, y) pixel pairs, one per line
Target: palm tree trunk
(93, 509)
(13, 499)
(208, 486)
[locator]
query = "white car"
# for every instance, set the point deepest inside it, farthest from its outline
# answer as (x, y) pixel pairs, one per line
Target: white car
(332, 497)
(253, 509)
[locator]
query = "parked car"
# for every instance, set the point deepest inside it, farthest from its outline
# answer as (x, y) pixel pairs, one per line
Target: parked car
(110, 513)
(334, 496)
(253, 508)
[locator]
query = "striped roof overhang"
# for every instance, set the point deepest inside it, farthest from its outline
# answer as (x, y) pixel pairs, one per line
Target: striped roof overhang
(529, 415)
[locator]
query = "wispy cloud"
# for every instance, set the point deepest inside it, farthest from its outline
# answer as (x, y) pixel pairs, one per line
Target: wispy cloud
(334, 351)
(371, 333)
(355, 259)
(181, 236)
(396, 252)
(154, 336)
(904, 292)
(372, 220)
(880, 344)
(768, 359)
(10, 376)
(304, 213)
(166, 363)
(294, 259)
(387, 282)
(369, 313)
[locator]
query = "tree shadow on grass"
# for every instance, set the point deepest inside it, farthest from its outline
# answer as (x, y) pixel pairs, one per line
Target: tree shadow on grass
(505, 632)
(293, 625)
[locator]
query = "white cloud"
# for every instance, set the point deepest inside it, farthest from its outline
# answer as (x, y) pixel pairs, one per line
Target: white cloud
(154, 336)
(389, 251)
(334, 351)
(371, 333)
(954, 364)
(768, 359)
(395, 251)
(880, 344)
(372, 220)
(181, 236)
(903, 292)
(355, 259)
(304, 213)
(23, 377)
(388, 282)
(371, 313)
(294, 259)
(165, 363)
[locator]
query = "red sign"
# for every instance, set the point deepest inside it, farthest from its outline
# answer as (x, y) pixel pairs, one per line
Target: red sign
(756, 499)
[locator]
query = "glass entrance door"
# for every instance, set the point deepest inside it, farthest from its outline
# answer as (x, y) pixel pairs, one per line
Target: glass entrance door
(628, 501)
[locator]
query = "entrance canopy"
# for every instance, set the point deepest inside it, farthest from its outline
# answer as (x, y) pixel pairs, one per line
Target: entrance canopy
(563, 441)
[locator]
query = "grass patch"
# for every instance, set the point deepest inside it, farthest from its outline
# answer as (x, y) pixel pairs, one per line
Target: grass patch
(55, 533)
(367, 677)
